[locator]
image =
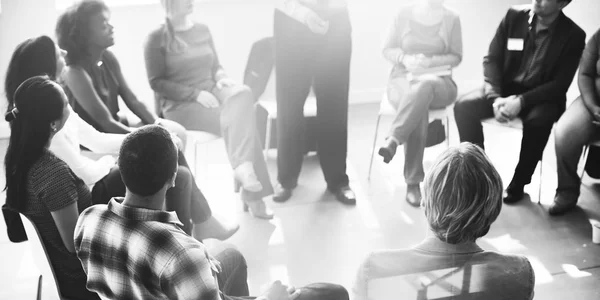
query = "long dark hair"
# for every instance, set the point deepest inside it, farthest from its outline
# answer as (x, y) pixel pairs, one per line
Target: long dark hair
(73, 26)
(33, 57)
(38, 101)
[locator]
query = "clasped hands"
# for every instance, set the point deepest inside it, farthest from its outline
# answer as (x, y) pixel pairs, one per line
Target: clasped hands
(279, 291)
(415, 61)
(209, 100)
(506, 109)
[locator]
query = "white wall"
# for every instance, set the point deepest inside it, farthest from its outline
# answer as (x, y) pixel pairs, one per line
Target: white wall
(237, 23)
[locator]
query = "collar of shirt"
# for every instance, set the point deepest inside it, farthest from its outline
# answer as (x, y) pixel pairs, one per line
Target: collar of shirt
(433, 244)
(142, 214)
(533, 23)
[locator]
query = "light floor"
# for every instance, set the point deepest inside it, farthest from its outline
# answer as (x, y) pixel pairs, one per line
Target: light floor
(314, 238)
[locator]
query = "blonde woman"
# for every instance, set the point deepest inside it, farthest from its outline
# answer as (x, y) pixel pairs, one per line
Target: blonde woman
(462, 198)
(425, 39)
(193, 89)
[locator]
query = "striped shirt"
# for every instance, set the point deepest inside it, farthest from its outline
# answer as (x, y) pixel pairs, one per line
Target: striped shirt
(137, 253)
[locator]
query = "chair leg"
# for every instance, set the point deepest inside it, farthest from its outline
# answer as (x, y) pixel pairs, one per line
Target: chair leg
(195, 158)
(39, 288)
(447, 132)
(268, 136)
(586, 150)
(540, 183)
(373, 148)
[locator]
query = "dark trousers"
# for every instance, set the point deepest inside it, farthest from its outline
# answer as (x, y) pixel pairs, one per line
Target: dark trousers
(573, 131)
(475, 106)
(304, 59)
(185, 198)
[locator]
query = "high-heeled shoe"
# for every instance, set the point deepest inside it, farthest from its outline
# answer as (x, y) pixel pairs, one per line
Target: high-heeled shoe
(388, 150)
(245, 174)
(214, 229)
(258, 209)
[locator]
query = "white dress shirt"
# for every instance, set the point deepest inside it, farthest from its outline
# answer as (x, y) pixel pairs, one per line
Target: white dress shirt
(75, 133)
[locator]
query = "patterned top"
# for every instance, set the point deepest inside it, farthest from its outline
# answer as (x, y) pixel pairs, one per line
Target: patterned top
(52, 186)
(137, 253)
(529, 74)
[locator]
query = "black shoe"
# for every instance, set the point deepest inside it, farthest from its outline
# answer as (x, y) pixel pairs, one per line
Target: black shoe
(513, 195)
(345, 195)
(388, 150)
(413, 195)
(562, 205)
(282, 194)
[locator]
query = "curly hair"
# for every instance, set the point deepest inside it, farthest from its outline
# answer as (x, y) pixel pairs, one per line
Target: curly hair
(72, 28)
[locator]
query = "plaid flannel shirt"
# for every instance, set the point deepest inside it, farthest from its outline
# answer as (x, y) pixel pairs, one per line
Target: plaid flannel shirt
(137, 253)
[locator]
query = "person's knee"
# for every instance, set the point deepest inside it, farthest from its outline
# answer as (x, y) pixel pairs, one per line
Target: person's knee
(184, 177)
(235, 257)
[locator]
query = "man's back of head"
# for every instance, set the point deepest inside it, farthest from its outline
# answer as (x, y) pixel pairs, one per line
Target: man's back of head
(148, 160)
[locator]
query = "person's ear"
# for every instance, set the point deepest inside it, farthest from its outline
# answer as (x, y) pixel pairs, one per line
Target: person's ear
(54, 126)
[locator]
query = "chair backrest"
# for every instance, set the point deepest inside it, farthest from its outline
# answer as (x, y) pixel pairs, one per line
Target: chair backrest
(40, 256)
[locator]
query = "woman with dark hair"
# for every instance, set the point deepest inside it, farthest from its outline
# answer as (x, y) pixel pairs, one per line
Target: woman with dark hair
(102, 175)
(192, 89)
(39, 184)
(39, 56)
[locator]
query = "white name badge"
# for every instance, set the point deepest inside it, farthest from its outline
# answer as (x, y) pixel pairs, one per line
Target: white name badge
(515, 44)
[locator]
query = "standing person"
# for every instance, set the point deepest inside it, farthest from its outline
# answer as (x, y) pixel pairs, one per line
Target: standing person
(529, 67)
(40, 185)
(425, 35)
(313, 49)
(579, 125)
(170, 265)
(193, 89)
(41, 56)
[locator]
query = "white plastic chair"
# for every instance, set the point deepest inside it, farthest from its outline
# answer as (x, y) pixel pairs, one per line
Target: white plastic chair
(268, 101)
(586, 151)
(41, 259)
(518, 125)
(198, 138)
(386, 109)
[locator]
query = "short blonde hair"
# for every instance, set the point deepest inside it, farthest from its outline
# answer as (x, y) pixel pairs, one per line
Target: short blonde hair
(462, 195)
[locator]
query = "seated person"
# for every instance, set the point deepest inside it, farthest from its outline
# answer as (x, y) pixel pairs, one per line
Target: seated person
(424, 36)
(40, 185)
(462, 198)
(529, 67)
(579, 125)
(39, 56)
(161, 261)
(192, 88)
(93, 79)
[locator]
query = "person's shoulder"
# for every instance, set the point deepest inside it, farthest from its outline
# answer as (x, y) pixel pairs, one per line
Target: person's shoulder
(109, 57)
(201, 27)
(508, 263)
(156, 36)
(49, 162)
(576, 31)
(521, 9)
(451, 12)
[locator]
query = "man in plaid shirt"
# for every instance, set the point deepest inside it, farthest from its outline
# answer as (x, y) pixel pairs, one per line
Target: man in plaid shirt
(133, 249)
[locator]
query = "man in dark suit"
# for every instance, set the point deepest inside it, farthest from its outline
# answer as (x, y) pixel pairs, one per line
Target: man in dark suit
(529, 67)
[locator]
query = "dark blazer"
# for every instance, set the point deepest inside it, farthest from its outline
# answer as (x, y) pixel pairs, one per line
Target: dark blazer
(560, 64)
(463, 271)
